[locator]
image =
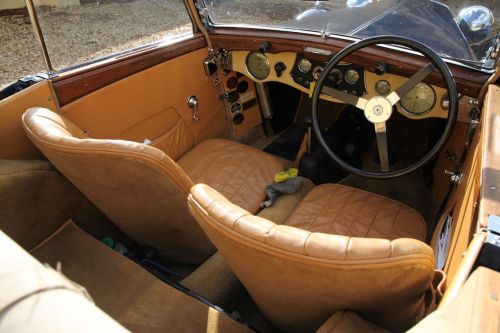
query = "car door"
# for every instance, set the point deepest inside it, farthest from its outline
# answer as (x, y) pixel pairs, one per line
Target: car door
(121, 70)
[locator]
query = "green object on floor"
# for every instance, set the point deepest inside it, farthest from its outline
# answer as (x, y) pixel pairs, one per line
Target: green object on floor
(109, 242)
(285, 175)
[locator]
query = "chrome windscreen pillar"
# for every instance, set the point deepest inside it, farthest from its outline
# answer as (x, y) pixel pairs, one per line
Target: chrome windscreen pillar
(39, 36)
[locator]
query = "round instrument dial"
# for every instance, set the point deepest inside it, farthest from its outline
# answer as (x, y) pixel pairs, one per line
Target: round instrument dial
(334, 77)
(258, 65)
(419, 100)
(352, 76)
(317, 72)
(304, 65)
(383, 87)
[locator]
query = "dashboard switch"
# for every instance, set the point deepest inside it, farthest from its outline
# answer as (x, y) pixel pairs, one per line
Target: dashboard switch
(279, 68)
(264, 47)
(381, 68)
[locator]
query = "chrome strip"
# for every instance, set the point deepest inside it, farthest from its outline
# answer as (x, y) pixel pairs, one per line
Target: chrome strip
(317, 50)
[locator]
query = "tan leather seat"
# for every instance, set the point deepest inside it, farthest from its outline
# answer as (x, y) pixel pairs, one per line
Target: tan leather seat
(343, 210)
(299, 278)
(142, 190)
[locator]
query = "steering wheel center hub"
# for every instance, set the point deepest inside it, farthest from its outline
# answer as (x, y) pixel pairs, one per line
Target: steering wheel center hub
(378, 109)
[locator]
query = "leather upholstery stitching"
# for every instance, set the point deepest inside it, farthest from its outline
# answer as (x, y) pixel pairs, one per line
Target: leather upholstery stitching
(305, 243)
(341, 210)
(368, 264)
(395, 219)
(347, 248)
(374, 218)
(336, 215)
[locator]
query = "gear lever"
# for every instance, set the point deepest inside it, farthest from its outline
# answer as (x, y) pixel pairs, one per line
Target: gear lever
(309, 166)
(308, 122)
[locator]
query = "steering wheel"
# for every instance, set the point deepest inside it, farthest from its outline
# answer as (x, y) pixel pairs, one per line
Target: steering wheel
(378, 109)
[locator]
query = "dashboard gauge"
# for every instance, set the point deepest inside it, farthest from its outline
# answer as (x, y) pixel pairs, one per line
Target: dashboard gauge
(383, 87)
(334, 77)
(258, 65)
(236, 107)
(419, 100)
(352, 76)
(317, 72)
(304, 65)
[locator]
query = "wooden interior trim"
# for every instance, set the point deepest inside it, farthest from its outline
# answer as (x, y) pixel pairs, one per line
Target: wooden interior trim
(75, 84)
(469, 82)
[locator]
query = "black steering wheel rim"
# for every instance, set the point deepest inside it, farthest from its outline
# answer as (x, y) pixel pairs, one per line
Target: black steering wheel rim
(429, 54)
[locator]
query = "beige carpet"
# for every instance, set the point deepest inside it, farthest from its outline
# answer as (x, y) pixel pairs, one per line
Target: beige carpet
(128, 293)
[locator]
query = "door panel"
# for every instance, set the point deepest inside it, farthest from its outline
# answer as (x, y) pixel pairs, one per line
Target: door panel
(14, 144)
(77, 83)
(475, 190)
(152, 104)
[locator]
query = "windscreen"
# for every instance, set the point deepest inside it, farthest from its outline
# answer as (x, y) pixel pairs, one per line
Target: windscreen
(454, 29)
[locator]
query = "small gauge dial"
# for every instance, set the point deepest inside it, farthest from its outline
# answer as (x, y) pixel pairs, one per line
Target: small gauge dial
(334, 77)
(352, 76)
(258, 65)
(419, 100)
(383, 87)
(304, 65)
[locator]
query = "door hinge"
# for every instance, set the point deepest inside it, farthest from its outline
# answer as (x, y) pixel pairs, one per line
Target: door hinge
(217, 59)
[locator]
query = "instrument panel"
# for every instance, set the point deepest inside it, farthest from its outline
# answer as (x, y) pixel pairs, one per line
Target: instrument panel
(346, 77)
(301, 72)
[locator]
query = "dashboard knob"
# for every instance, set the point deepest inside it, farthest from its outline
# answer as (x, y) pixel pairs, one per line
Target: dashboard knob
(264, 47)
(279, 68)
(381, 68)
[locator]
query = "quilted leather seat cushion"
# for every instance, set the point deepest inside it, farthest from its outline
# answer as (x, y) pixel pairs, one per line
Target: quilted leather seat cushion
(237, 171)
(341, 210)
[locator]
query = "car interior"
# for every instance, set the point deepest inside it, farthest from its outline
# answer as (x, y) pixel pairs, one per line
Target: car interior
(133, 189)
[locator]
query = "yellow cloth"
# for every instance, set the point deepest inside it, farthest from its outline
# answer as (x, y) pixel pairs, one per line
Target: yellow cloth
(285, 175)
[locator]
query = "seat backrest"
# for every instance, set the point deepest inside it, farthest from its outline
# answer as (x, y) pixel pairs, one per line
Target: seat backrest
(140, 188)
(38, 298)
(298, 278)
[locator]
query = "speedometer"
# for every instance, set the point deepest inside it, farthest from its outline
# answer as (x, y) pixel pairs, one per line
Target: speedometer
(258, 65)
(419, 100)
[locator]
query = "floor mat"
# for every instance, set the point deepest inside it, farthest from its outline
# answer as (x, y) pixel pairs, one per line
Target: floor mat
(125, 291)
(287, 145)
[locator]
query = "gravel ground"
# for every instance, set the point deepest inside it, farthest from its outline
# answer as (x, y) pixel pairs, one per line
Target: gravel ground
(80, 33)
(77, 34)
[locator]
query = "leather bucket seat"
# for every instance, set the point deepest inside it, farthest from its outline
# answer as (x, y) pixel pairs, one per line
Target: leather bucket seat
(142, 190)
(301, 272)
